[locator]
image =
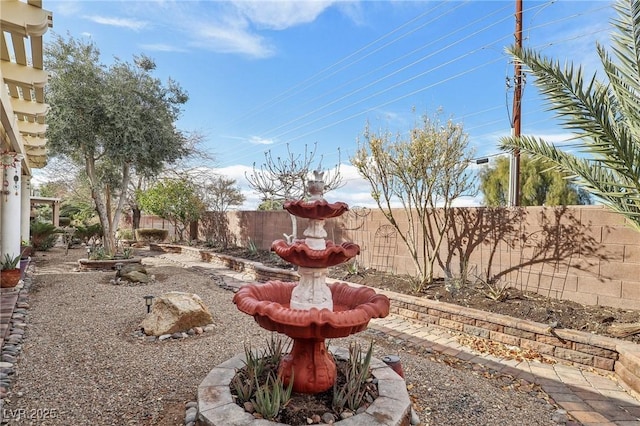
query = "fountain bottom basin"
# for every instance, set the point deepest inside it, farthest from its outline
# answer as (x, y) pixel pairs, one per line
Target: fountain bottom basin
(216, 406)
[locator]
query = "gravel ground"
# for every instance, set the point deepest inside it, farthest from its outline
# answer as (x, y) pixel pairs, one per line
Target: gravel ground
(81, 361)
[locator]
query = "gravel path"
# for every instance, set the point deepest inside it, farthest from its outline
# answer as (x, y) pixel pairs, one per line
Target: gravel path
(81, 362)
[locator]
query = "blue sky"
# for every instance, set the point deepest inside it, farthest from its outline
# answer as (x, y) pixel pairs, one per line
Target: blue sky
(267, 75)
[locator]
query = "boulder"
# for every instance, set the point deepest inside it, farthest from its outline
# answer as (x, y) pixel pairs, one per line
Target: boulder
(134, 273)
(176, 312)
(135, 277)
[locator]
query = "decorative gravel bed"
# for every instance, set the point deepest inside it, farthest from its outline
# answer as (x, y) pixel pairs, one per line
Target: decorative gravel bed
(80, 362)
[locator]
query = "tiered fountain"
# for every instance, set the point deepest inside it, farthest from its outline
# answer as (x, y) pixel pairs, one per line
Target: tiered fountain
(309, 312)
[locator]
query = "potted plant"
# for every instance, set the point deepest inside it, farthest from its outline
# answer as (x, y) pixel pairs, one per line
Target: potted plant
(9, 271)
(26, 249)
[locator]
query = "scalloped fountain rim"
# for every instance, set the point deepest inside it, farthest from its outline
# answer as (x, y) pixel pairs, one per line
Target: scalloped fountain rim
(353, 307)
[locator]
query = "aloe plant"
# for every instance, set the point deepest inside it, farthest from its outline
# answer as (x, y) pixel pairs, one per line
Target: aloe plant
(10, 262)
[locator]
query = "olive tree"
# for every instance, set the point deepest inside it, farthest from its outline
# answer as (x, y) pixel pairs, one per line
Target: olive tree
(422, 173)
(112, 121)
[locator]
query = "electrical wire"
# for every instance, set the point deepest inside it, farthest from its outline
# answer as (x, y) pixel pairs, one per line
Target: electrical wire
(390, 88)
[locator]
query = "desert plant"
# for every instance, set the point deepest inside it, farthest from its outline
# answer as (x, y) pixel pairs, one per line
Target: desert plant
(356, 372)
(272, 396)
(127, 253)
(9, 262)
(494, 289)
(252, 247)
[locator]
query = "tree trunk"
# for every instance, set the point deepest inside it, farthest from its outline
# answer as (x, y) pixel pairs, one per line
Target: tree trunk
(136, 214)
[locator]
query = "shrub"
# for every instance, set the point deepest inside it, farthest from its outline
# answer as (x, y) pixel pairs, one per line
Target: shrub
(125, 234)
(86, 233)
(152, 235)
(43, 235)
(64, 221)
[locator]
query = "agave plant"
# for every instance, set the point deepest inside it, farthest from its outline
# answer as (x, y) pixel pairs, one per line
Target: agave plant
(603, 114)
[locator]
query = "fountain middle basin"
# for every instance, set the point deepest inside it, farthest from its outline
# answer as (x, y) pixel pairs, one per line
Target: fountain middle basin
(313, 370)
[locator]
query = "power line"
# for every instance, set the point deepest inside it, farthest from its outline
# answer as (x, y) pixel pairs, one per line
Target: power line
(317, 129)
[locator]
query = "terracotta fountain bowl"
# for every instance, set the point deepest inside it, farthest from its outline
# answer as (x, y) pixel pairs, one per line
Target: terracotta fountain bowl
(353, 308)
(301, 254)
(318, 209)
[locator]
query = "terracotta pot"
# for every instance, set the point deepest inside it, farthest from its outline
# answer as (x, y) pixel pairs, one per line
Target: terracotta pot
(9, 277)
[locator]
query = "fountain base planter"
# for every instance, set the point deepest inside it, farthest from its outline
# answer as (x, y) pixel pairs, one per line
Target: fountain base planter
(216, 406)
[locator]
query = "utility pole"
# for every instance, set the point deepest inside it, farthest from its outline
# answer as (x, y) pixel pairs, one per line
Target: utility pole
(514, 169)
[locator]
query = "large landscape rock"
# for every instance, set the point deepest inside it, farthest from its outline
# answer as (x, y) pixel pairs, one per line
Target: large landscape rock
(174, 312)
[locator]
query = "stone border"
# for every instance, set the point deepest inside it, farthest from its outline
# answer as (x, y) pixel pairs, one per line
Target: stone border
(91, 265)
(216, 406)
(578, 348)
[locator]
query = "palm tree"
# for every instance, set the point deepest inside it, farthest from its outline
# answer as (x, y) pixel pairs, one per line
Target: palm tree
(603, 114)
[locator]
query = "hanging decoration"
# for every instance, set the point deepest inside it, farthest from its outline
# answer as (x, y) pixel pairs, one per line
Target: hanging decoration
(10, 161)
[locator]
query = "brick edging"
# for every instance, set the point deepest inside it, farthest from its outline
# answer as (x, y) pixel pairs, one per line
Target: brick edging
(576, 347)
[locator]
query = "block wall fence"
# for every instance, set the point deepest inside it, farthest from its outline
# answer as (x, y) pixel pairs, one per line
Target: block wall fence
(586, 254)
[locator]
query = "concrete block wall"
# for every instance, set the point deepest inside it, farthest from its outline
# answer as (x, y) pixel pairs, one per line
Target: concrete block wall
(587, 254)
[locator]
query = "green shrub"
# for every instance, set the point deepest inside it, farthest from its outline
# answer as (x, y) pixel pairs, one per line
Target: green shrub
(125, 234)
(85, 233)
(43, 235)
(151, 235)
(64, 221)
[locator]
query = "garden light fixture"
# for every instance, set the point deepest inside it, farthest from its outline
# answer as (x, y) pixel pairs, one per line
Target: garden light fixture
(148, 300)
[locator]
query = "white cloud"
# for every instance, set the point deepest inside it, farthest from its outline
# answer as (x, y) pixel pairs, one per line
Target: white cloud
(256, 140)
(119, 22)
(280, 15)
(159, 47)
(232, 39)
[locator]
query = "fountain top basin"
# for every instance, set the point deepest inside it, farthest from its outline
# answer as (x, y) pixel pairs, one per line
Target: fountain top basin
(317, 209)
(353, 308)
(299, 253)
